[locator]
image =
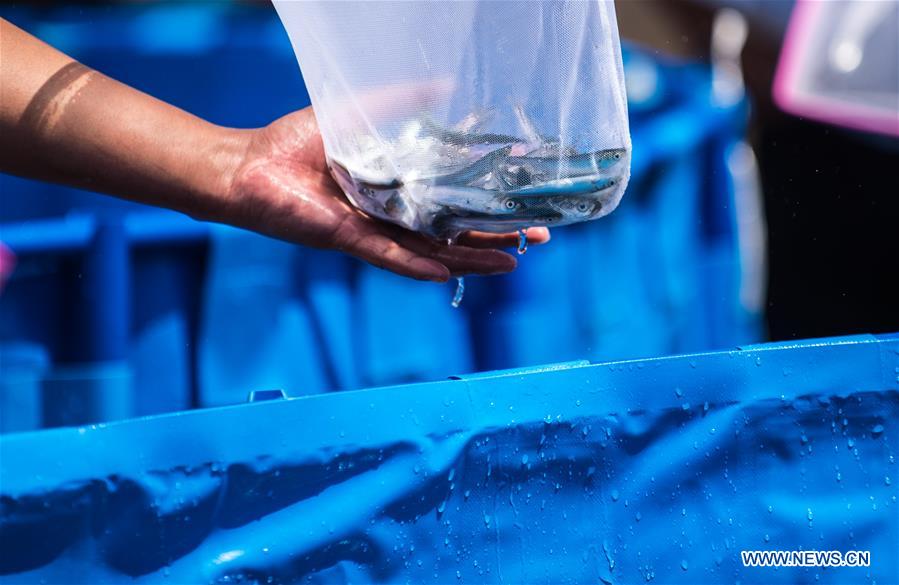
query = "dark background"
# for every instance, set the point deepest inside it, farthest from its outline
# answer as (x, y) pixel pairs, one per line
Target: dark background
(831, 195)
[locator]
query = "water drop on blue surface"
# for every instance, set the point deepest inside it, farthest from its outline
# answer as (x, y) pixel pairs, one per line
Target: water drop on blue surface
(876, 430)
(524, 459)
(684, 565)
(522, 241)
(615, 495)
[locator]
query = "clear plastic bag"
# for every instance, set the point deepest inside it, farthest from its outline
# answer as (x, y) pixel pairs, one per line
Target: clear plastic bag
(445, 116)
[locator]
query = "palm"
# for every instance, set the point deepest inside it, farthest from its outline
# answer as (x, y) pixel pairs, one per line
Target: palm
(284, 189)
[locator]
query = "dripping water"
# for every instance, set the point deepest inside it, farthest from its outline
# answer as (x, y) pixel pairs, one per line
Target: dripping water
(522, 241)
(460, 281)
(460, 292)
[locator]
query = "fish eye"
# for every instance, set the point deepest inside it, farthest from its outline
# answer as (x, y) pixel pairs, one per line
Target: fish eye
(617, 155)
(611, 182)
(510, 204)
(583, 207)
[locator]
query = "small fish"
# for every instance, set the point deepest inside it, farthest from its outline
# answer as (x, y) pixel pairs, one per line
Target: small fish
(470, 200)
(456, 138)
(576, 207)
(476, 170)
(455, 220)
(518, 171)
(568, 186)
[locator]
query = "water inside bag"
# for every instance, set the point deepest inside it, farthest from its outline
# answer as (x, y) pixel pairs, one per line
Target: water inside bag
(444, 181)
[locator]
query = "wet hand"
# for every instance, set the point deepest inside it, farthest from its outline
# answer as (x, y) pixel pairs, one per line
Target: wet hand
(282, 188)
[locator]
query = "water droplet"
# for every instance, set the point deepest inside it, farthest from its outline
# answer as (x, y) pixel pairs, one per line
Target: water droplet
(767, 538)
(809, 514)
(887, 480)
(684, 565)
(524, 459)
(452, 474)
(460, 292)
(876, 430)
(522, 241)
(615, 495)
(638, 516)
(441, 507)
(678, 392)
(803, 438)
(850, 442)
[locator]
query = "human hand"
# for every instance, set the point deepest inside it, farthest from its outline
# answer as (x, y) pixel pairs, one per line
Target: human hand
(282, 188)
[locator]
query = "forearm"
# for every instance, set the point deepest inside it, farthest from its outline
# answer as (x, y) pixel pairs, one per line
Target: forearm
(63, 122)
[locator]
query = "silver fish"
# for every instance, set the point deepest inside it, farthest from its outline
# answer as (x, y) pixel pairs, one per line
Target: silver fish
(518, 171)
(450, 220)
(457, 138)
(568, 186)
(476, 170)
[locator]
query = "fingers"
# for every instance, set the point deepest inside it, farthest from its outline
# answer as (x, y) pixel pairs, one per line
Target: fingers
(536, 236)
(414, 255)
(458, 259)
(382, 251)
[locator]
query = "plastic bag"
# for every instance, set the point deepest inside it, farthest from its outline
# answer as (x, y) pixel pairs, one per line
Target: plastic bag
(449, 116)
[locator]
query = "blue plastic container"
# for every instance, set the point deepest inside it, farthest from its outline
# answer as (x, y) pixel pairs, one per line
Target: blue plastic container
(658, 470)
(22, 367)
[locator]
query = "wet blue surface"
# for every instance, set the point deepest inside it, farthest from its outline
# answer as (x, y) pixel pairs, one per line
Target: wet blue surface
(658, 470)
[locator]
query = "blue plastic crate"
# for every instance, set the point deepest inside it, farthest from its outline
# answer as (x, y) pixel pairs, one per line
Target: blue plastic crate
(657, 470)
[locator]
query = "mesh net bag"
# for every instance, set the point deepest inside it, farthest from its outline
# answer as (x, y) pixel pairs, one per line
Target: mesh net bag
(448, 116)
